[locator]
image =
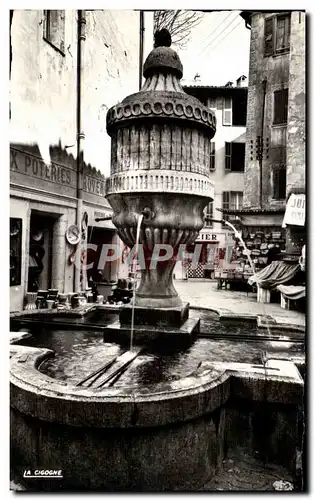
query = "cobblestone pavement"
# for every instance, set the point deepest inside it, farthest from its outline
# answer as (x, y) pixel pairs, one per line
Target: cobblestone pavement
(204, 293)
(245, 473)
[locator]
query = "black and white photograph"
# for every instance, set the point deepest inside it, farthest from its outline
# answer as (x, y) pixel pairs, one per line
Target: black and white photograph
(157, 243)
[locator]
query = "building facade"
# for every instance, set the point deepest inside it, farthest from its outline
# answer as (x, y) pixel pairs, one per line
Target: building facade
(275, 134)
(226, 164)
(67, 68)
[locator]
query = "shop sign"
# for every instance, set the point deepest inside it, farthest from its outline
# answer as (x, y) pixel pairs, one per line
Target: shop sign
(295, 211)
(207, 237)
(33, 166)
(93, 186)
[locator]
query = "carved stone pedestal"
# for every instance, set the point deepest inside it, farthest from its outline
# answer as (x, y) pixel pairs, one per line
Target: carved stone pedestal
(144, 334)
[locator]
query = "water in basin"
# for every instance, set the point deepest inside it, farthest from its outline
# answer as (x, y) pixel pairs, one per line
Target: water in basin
(80, 352)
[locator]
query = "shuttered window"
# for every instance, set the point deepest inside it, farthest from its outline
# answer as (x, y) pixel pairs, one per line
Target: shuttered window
(279, 183)
(212, 155)
(54, 29)
(227, 111)
(280, 107)
(277, 34)
(228, 156)
(232, 200)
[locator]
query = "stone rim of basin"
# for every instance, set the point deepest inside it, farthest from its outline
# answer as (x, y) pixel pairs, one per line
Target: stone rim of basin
(39, 395)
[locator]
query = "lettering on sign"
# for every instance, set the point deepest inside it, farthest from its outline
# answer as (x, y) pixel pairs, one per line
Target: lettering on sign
(295, 210)
(207, 237)
(93, 186)
(35, 167)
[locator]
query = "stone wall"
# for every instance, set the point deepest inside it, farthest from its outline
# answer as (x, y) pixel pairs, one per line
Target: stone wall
(285, 70)
(43, 83)
(276, 70)
(296, 110)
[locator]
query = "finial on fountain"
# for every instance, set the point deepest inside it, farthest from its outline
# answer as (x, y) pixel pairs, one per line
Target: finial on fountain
(162, 59)
(162, 38)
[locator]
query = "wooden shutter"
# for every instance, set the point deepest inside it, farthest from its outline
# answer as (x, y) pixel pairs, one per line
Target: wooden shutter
(283, 33)
(212, 155)
(282, 183)
(209, 214)
(228, 156)
(62, 30)
(269, 36)
(280, 106)
(54, 28)
(275, 179)
(225, 200)
(227, 111)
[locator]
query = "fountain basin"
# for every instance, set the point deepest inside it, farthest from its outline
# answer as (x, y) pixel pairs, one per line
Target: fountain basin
(168, 436)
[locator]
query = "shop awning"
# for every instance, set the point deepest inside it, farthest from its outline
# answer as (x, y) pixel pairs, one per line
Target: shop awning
(295, 211)
(292, 292)
(277, 273)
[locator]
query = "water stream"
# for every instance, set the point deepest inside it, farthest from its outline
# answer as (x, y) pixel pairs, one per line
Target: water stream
(135, 260)
(247, 253)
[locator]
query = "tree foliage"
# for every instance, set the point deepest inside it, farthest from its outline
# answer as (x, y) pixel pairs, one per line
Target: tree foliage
(178, 22)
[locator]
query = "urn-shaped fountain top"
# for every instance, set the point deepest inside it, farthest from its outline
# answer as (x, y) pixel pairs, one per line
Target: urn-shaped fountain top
(161, 129)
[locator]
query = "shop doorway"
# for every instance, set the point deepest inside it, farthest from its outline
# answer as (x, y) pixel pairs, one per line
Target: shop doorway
(40, 251)
(99, 237)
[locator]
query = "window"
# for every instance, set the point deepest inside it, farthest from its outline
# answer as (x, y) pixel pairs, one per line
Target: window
(208, 213)
(227, 111)
(277, 34)
(54, 29)
(234, 156)
(232, 200)
(234, 110)
(236, 200)
(239, 109)
(280, 107)
(212, 155)
(279, 182)
(15, 251)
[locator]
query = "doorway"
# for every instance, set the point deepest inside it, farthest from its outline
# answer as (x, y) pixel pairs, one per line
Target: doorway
(40, 251)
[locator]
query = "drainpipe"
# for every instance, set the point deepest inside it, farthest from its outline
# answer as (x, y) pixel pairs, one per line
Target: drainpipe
(80, 142)
(11, 19)
(141, 47)
(261, 145)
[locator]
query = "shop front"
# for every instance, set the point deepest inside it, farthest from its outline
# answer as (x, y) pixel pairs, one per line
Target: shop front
(43, 222)
(42, 205)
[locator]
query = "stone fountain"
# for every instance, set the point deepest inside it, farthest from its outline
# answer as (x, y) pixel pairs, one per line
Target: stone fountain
(170, 435)
(160, 157)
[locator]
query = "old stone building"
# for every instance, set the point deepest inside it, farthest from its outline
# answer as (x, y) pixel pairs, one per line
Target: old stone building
(275, 134)
(67, 69)
(226, 164)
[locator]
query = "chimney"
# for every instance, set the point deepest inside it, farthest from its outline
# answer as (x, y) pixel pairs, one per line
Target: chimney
(229, 84)
(241, 81)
